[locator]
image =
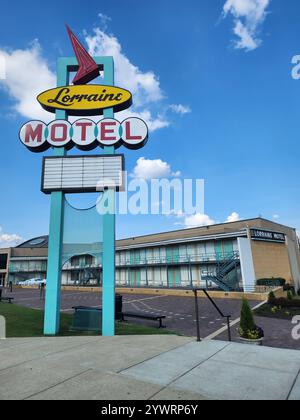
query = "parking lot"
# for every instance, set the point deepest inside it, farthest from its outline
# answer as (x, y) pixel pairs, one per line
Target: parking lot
(179, 311)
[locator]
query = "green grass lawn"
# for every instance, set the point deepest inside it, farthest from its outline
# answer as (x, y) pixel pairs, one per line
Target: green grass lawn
(27, 322)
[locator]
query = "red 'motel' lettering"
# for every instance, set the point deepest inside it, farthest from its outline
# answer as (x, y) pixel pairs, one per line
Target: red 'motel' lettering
(33, 134)
(105, 130)
(84, 126)
(64, 134)
(129, 136)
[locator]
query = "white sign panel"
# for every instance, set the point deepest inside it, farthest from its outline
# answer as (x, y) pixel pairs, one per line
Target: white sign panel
(79, 174)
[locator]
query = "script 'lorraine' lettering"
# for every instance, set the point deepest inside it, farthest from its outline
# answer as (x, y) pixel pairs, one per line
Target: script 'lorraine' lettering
(85, 99)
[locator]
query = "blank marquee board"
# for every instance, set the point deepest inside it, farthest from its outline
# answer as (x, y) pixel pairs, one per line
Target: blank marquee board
(79, 174)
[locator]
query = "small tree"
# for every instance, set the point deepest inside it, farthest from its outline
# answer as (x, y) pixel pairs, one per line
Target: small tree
(271, 297)
(289, 295)
(247, 325)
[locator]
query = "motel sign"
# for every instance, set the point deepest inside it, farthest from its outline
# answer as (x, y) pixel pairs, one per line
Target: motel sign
(62, 174)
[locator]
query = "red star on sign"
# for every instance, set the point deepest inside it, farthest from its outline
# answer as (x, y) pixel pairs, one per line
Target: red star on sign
(88, 69)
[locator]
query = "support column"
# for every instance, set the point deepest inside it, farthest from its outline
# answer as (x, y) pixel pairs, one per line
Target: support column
(247, 266)
(108, 279)
(52, 303)
(109, 236)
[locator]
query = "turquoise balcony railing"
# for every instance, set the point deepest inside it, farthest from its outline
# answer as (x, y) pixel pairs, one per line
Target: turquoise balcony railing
(177, 259)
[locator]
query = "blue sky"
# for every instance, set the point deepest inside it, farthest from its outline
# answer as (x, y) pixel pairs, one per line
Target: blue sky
(226, 63)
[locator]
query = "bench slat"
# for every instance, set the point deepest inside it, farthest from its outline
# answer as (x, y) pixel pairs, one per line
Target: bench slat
(153, 317)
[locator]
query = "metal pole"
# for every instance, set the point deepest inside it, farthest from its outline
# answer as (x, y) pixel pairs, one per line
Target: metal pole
(197, 316)
(229, 330)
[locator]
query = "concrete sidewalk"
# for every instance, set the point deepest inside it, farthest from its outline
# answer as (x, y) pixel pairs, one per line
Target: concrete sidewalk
(145, 367)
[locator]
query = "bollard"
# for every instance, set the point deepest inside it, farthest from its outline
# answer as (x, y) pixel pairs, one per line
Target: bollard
(118, 307)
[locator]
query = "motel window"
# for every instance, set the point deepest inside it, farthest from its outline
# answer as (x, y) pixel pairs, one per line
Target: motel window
(185, 281)
(122, 257)
(3, 261)
(89, 260)
(142, 256)
(163, 253)
(149, 255)
(210, 250)
(150, 275)
(75, 261)
(143, 278)
(156, 255)
(235, 245)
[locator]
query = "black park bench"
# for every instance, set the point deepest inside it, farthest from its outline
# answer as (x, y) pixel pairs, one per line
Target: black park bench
(151, 317)
(6, 299)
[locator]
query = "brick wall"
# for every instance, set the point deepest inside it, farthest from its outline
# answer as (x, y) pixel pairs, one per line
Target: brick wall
(271, 260)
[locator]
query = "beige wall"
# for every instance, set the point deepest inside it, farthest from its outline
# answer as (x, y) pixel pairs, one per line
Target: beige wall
(271, 260)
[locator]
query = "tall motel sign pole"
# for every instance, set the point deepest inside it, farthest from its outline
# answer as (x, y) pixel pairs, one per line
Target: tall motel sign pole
(53, 291)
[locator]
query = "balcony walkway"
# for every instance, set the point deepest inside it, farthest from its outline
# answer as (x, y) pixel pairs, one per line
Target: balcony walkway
(145, 367)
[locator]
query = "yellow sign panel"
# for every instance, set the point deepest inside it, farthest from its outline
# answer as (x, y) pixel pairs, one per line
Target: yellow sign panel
(85, 99)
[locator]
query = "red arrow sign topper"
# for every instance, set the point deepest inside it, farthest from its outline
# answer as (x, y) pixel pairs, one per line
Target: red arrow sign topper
(88, 69)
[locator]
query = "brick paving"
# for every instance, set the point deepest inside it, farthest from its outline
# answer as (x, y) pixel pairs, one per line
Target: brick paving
(278, 333)
(179, 311)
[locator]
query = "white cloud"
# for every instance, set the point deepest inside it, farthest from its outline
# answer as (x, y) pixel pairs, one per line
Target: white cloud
(153, 169)
(233, 217)
(276, 216)
(180, 109)
(104, 19)
(9, 240)
(144, 86)
(248, 17)
(154, 122)
(27, 75)
(198, 220)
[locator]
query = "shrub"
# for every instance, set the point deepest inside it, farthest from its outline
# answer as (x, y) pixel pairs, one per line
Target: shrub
(289, 295)
(272, 282)
(290, 288)
(271, 297)
(285, 303)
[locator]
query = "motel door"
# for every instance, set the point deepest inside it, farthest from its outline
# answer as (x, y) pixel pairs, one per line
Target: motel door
(228, 248)
(174, 277)
(219, 250)
(173, 254)
(135, 278)
(223, 249)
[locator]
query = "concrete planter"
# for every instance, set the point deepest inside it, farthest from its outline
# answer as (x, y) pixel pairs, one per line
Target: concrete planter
(258, 342)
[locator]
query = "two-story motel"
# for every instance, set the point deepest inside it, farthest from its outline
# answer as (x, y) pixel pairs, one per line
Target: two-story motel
(228, 256)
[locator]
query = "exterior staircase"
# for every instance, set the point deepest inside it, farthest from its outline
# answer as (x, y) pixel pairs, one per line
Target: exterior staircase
(225, 276)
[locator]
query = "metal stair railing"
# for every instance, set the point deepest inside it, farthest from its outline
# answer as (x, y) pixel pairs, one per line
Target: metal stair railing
(223, 269)
(195, 290)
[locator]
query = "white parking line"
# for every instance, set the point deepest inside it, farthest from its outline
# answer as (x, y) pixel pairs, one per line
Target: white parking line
(148, 298)
(232, 324)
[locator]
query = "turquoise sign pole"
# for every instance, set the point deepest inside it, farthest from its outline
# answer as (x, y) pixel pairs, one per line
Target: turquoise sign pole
(52, 304)
(53, 292)
(109, 234)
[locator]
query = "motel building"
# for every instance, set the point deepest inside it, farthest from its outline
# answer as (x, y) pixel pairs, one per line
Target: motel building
(228, 257)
